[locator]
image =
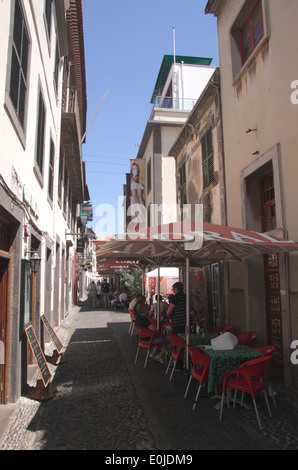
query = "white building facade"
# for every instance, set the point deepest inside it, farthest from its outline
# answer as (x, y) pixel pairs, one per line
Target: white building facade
(180, 82)
(39, 195)
(259, 109)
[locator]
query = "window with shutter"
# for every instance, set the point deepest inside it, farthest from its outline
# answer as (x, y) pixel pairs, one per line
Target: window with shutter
(60, 176)
(149, 176)
(51, 170)
(65, 187)
(19, 64)
(56, 70)
(252, 31)
(207, 158)
(48, 15)
(268, 210)
(40, 133)
(182, 186)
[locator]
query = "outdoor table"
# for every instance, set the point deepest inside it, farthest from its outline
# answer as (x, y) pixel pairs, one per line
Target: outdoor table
(196, 339)
(224, 361)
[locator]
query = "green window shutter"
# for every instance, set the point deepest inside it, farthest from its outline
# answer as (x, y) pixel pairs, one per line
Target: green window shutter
(19, 64)
(183, 197)
(207, 158)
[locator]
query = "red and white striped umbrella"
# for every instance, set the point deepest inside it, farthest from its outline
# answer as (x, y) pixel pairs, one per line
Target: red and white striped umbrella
(172, 244)
(192, 244)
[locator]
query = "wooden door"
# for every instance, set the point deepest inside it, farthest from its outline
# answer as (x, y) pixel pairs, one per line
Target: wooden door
(3, 318)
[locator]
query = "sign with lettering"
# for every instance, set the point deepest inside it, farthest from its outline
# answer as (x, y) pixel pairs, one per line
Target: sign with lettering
(80, 245)
(38, 355)
(87, 207)
(54, 338)
(30, 201)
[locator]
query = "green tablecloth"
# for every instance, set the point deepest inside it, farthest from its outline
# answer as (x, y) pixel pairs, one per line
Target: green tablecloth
(221, 361)
(198, 340)
(224, 361)
(194, 340)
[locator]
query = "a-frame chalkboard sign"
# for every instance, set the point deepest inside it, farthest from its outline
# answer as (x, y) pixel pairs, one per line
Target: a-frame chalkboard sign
(38, 355)
(54, 338)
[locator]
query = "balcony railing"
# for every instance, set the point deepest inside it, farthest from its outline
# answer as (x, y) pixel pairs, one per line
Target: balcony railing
(69, 100)
(177, 104)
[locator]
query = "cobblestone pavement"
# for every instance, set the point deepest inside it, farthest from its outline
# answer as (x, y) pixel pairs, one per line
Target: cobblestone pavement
(103, 401)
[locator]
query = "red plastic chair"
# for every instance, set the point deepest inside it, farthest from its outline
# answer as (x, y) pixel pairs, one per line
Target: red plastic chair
(167, 323)
(268, 351)
(222, 329)
(132, 322)
(248, 339)
(178, 345)
(248, 378)
(200, 369)
(146, 338)
(265, 350)
(153, 321)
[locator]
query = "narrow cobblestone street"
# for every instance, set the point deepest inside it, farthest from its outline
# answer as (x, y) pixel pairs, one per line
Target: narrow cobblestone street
(103, 401)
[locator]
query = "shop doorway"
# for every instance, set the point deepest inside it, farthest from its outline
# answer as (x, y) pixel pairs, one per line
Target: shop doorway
(4, 264)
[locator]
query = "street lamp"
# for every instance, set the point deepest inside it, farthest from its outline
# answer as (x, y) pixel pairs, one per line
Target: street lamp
(34, 260)
(84, 218)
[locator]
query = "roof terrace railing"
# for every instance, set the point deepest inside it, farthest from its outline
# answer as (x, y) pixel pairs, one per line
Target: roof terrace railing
(178, 104)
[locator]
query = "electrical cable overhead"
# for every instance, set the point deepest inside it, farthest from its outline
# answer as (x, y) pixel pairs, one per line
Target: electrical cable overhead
(106, 163)
(106, 156)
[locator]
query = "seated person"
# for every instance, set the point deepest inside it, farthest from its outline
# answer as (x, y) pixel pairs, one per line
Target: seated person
(134, 301)
(123, 297)
(162, 308)
(141, 305)
(143, 321)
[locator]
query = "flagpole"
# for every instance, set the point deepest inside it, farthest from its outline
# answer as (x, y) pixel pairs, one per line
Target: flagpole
(174, 45)
(174, 66)
(95, 115)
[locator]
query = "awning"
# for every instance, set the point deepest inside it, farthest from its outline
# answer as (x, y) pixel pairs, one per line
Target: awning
(170, 245)
(191, 244)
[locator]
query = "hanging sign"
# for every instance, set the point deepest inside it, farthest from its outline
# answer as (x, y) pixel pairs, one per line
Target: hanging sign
(80, 245)
(87, 207)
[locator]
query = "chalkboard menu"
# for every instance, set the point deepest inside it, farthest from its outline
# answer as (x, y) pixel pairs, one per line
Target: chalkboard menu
(55, 340)
(38, 355)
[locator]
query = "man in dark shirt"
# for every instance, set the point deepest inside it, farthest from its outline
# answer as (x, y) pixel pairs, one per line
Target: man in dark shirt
(105, 289)
(177, 309)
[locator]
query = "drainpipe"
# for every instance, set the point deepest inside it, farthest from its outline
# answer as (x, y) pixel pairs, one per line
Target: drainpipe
(287, 274)
(158, 294)
(187, 309)
(182, 86)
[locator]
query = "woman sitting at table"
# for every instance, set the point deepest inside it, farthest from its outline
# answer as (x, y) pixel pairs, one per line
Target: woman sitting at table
(141, 307)
(143, 321)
